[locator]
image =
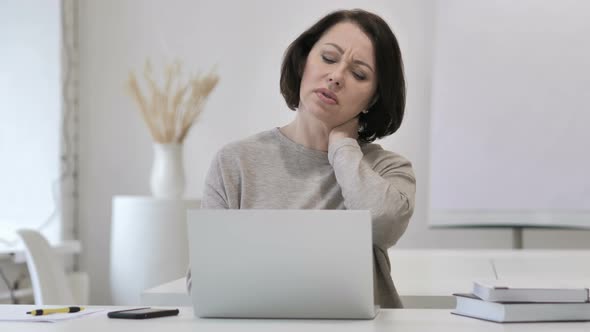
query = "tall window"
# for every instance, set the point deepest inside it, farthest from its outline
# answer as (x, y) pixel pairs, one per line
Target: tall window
(33, 142)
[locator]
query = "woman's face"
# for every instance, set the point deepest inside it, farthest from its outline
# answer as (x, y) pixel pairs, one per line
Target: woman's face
(339, 79)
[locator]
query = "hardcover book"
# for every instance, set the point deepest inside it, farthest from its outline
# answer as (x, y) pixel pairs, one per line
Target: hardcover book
(528, 291)
(506, 312)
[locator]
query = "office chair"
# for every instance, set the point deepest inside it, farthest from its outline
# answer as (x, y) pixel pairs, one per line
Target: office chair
(50, 283)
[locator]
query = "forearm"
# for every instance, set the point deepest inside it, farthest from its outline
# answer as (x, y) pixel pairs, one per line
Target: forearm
(388, 196)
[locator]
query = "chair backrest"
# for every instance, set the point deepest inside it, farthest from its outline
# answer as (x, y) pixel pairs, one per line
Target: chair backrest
(48, 277)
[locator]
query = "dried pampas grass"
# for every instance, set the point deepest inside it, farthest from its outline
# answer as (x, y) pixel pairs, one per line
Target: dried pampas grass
(171, 110)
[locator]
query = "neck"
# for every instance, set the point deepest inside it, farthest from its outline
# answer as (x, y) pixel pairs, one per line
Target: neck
(308, 131)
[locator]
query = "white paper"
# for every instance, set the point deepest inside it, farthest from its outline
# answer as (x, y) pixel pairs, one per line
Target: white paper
(16, 313)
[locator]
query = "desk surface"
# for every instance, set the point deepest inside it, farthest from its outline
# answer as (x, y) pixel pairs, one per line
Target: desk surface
(388, 320)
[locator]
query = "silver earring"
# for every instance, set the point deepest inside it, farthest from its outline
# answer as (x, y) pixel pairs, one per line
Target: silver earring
(365, 111)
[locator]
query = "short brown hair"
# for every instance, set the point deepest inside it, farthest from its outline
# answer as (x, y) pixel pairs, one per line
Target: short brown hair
(386, 113)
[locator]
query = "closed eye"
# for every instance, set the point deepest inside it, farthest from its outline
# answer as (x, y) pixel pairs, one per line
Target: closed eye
(359, 76)
(328, 59)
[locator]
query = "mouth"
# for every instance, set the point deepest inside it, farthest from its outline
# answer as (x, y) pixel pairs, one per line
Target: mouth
(327, 96)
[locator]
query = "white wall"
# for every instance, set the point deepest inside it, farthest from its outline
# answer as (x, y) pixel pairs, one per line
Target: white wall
(246, 40)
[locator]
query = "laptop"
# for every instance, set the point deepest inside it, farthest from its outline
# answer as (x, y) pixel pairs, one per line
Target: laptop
(281, 263)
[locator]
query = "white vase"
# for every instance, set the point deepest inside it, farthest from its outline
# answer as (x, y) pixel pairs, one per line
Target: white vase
(167, 179)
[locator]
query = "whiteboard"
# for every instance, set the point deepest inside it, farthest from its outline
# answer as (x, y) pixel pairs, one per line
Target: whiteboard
(510, 131)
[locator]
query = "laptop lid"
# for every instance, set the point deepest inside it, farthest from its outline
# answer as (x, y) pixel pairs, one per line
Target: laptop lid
(281, 263)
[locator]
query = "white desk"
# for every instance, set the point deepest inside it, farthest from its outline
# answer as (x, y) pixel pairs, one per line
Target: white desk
(428, 278)
(549, 264)
(172, 293)
(424, 278)
(388, 320)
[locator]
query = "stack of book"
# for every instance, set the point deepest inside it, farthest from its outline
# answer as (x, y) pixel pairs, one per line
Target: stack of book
(503, 302)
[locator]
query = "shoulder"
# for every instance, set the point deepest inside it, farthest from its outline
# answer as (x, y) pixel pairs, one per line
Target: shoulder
(248, 147)
(384, 160)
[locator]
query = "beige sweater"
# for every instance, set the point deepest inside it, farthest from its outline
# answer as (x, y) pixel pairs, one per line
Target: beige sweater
(269, 171)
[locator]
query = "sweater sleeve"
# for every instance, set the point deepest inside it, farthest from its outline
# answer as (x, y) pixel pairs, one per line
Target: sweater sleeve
(386, 186)
(214, 193)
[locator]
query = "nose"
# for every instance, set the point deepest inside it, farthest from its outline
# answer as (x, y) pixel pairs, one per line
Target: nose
(332, 83)
(336, 79)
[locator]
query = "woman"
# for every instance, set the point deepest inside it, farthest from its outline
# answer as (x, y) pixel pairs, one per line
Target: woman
(344, 78)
